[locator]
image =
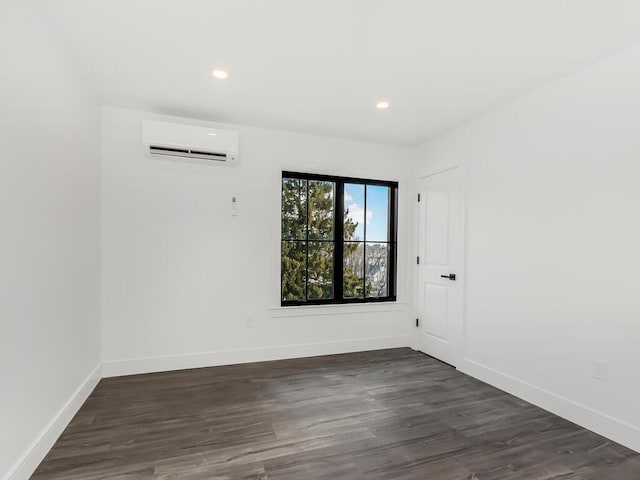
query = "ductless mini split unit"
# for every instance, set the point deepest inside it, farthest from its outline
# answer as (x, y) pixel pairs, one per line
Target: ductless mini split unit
(179, 142)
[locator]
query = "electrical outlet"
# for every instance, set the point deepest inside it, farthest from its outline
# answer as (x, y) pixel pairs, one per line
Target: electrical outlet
(600, 370)
(249, 322)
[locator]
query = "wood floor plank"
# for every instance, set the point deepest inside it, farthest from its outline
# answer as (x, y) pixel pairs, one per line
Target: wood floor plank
(383, 415)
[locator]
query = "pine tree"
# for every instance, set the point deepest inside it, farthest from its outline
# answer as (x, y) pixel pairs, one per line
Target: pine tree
(294, 227)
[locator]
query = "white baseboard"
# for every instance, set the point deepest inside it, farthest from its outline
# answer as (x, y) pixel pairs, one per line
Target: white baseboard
(603, 424)
(230, 357)
(31, 458)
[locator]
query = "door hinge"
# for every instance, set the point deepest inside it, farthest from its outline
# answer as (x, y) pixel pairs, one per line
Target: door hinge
(418, 260)
(417, 322)
(418, 197)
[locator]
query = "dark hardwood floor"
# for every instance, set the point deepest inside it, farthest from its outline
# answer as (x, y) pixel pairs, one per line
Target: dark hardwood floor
(389, 414)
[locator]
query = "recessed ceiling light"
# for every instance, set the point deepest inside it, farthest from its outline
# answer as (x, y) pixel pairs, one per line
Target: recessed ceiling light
(382, 105)
(220, 74)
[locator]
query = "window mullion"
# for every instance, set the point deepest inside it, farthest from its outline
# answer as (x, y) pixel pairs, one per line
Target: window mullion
(338, 250)
(391, 271)
(364, 247)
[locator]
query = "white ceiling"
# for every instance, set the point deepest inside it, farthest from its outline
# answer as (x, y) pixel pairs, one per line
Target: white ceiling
(319, 66)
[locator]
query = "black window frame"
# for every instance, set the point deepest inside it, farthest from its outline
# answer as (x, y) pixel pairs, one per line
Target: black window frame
(338, 229)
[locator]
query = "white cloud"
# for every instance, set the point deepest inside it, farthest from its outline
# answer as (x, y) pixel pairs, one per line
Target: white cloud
(356, 214)
(347, 197)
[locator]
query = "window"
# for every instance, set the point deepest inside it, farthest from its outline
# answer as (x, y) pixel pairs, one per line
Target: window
(338, 240)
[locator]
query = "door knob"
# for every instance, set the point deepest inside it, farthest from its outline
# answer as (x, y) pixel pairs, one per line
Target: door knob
(451, 276)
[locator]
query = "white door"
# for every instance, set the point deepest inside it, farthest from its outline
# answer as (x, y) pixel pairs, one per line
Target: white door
(440, 307)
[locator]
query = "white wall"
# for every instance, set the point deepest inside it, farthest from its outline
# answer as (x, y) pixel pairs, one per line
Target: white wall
(552, 244)
(181, 276)
(49, 240)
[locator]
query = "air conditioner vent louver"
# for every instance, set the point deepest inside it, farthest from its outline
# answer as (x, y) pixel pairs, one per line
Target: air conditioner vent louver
(181, 142)
(187, 153)
(168, 151)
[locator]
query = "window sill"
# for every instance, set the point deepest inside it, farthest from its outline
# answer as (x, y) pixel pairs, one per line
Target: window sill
(340, 309)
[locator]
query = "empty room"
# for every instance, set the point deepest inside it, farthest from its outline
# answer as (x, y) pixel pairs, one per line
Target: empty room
(319, 239)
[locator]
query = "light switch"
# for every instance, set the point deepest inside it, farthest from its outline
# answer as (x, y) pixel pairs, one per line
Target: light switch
(234, 207)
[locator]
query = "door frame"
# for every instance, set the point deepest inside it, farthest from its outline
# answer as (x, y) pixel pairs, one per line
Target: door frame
(461, 350)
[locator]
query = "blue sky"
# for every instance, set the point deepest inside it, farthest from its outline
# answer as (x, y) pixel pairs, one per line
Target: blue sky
(376, 215)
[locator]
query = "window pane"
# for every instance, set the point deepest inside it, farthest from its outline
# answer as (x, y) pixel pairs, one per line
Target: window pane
(377, 213)
(294, 209)
(377, 270)
(353, 211)
(293, 270)
(321, 210)
(353, 270)
(320, 284)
